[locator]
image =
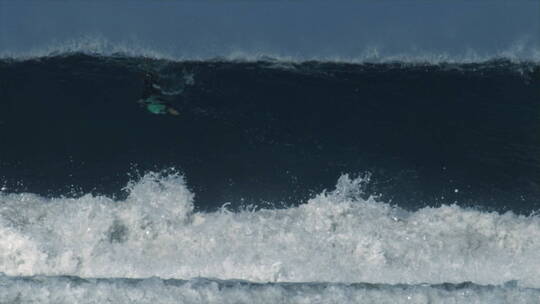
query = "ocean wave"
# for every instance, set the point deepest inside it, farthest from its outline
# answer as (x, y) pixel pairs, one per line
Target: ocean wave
(519, 52)
(335, 237)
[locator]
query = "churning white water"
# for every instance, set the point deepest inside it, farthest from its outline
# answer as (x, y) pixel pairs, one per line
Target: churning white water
(334, 237)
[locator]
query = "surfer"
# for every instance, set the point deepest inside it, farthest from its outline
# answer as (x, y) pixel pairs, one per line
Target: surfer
(153, 98)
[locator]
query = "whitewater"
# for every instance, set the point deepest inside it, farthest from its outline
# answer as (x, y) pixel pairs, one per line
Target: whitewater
(335, 237)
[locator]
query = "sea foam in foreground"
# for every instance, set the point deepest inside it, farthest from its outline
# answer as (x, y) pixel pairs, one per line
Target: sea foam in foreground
(335, 237)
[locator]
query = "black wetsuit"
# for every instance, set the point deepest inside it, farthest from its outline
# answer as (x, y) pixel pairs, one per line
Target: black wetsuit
(149, 89)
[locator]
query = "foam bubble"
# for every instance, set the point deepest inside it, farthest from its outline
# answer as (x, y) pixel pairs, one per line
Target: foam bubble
(335, 237)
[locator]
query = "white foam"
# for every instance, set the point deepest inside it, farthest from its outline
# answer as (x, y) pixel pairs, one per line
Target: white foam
(335, 237)
(59, 290)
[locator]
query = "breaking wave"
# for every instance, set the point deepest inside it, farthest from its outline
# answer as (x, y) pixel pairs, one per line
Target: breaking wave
(335, 237)
(519, 52)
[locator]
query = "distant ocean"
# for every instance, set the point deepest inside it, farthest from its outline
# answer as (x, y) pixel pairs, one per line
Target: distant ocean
(282, 180)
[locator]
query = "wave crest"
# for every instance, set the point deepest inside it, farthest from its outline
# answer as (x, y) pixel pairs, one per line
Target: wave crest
(519, 52)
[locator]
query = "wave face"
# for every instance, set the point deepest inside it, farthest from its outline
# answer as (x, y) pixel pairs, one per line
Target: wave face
(275, 132)
(435, 201)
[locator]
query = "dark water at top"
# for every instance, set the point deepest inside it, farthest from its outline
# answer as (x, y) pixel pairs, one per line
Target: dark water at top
(273, 132)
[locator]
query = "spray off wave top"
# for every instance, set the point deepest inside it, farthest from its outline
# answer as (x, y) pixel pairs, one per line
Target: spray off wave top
(348, 31)
(520, 52)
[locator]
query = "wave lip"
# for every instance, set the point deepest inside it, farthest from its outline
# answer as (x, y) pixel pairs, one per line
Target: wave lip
(519, 52)
(64, 289)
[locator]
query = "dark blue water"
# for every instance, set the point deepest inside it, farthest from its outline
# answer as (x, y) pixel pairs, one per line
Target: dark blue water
(259, 132)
